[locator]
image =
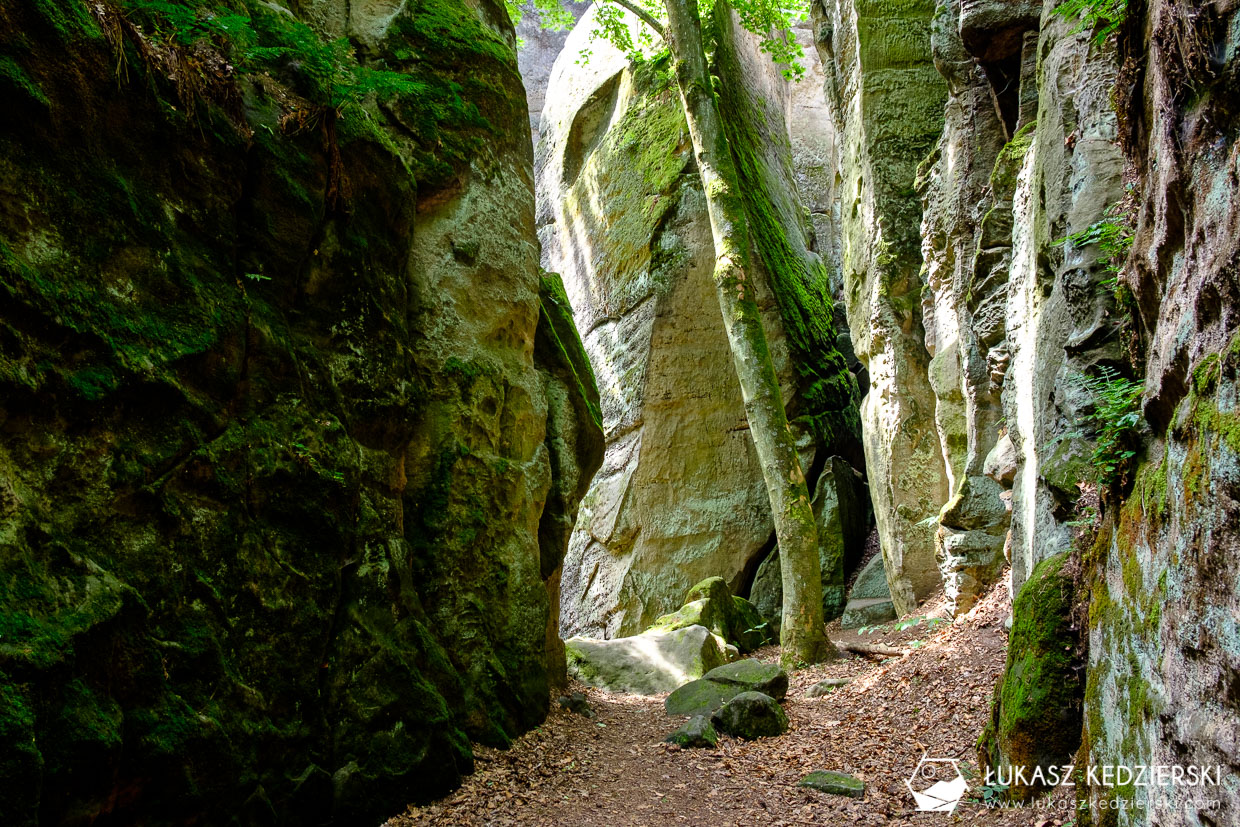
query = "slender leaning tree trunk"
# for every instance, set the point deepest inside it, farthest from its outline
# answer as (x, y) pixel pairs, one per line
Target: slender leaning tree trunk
(803, 638)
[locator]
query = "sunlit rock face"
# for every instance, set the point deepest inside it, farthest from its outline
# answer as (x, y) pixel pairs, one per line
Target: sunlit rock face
(291, 425)
(538, 49)
(1062, 322)
(680, 496)
(886, 103)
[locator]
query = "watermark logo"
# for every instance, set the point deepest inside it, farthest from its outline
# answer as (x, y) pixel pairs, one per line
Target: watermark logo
(937, 784)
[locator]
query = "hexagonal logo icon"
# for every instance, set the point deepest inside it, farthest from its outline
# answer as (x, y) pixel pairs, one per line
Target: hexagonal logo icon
(937, 785)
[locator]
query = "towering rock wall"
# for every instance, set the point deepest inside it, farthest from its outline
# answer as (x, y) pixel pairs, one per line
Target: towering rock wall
(1136, 139)
(621, 214)
(1063, 321)
(886, 101)
(1164, 619)
(1078, 230)
(291, 432)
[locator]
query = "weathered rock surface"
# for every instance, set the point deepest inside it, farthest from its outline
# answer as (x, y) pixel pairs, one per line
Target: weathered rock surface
(1015, 306)
(841, 507)
(721, 684)
(646, 664)
(834, 783)
(967, 186)
(1062, 322)
(696, 733)
(886, 101)
(1163, 639)
(680, 496)
(733, 619)
(751, 715)
(282, 426)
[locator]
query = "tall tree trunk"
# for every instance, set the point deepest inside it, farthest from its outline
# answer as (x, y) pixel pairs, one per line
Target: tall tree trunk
(803, 638)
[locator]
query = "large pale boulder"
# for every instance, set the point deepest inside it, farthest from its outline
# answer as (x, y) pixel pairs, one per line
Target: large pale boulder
(646, 664)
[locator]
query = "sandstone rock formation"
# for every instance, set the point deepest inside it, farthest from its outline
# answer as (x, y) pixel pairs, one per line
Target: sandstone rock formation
(680, 496)
(292, 433)
(886, 101)
(1133, 148)
(657, 660)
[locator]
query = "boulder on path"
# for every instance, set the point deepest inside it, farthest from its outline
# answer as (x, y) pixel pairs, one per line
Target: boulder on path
(647, 664)
(696, 733)
(733, 619)
(834, 783)
(723, 683)
(751, 715)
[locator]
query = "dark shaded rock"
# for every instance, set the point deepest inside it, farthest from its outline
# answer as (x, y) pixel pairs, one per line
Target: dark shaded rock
(697, 732)
(834, 783)
(841, 507)
(751, 715)
(577, 703)
(273, 455)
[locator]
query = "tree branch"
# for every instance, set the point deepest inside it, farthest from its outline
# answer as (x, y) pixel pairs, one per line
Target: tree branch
(643, 15)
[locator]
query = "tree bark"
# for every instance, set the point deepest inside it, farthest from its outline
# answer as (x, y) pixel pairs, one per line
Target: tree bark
(802, 638)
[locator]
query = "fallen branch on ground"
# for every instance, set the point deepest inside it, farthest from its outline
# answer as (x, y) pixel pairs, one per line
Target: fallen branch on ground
(875, 650)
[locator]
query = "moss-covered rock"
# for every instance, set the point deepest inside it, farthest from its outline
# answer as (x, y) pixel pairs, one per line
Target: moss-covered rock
(834, 783)
(721, 684)
(696, 733)
(276, 446)
(751, 715)
(1036, 715)
(733, 619)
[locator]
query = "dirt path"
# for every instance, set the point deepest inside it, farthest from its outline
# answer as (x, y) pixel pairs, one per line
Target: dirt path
(615, 770)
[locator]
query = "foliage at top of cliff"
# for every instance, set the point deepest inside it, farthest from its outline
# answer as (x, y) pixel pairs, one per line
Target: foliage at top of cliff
(770, 20)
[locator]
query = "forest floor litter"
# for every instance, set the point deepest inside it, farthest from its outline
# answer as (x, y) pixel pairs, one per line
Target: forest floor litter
(614, 770)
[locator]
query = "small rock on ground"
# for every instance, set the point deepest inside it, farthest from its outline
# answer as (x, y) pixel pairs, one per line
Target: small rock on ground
(751, 715)
(697, 732)
(834, 783)
(576, 702)
(823, 687)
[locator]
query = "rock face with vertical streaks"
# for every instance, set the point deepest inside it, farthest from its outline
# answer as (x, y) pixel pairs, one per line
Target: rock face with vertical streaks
(886, 101)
